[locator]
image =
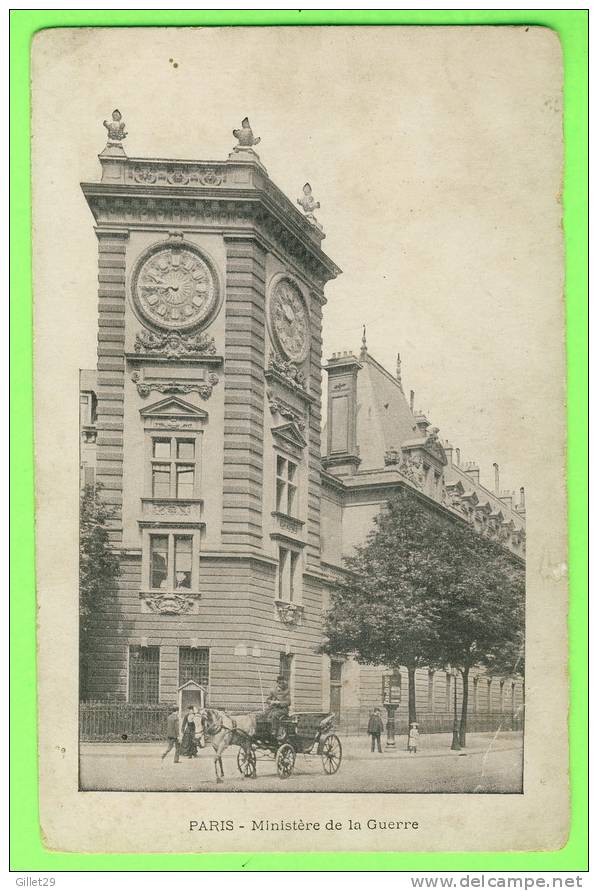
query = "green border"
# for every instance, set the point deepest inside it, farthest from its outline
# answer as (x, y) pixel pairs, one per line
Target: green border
(27, 852)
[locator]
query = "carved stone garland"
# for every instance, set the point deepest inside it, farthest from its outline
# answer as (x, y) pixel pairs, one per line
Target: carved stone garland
(289, 613)
(204, 389)
(278, 406)
(173, 345)
(287, 370)
(169, 603)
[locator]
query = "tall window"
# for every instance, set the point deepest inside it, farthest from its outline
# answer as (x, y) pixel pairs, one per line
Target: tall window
(194, 665)
(288, 575)
(144, 674)
(171, 562)
(286, 486)
(173, 467)
(87, 409)
(285, 668)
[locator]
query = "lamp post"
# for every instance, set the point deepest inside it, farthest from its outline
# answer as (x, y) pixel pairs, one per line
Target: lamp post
(455, 745)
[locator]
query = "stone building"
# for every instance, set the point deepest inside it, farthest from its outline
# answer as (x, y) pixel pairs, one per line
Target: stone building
(232, 499)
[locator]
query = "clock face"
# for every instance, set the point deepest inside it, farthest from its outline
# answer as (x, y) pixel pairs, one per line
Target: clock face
(174, 287)
(289, 320)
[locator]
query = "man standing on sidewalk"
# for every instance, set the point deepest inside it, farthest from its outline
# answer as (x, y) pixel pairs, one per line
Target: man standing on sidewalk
(172, 734)
(375, 729)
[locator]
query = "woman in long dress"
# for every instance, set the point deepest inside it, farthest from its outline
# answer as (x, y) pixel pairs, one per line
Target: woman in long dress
(189, 742)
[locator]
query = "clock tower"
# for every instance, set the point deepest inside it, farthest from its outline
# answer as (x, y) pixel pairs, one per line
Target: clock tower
(211, 288)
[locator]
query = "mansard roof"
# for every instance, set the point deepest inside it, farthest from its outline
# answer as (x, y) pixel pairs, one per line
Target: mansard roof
(384, 419)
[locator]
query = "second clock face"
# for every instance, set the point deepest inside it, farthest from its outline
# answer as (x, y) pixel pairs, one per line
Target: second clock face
(289, 320)
(175, 288)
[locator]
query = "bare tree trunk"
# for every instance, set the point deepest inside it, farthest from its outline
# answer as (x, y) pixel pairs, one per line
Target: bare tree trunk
(463, 723)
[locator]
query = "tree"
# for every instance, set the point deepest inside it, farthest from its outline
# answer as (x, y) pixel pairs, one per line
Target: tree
(425, 590)
(482, 612)
(385, 609)
(99, 570)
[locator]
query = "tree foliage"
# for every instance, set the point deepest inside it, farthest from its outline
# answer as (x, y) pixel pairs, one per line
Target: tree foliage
(426, 590)
(99, 567)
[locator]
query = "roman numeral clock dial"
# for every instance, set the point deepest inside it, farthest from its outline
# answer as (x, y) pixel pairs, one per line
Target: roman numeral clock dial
(174, 287)
(289, 320)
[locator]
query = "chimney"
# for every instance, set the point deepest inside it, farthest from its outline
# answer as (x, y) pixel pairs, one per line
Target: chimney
(520, 508)
(448, 450)
(458, 454)
(496, 479)
(411, 400)
(473, 470)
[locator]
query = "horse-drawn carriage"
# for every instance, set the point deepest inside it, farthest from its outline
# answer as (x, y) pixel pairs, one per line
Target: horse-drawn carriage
(306, 733)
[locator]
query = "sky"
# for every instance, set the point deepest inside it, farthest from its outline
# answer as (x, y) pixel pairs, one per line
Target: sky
(435, 154)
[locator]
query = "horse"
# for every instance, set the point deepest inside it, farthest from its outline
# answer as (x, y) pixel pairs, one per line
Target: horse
(226, 730)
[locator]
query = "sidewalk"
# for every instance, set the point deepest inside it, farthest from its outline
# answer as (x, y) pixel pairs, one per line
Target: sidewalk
(354, 747)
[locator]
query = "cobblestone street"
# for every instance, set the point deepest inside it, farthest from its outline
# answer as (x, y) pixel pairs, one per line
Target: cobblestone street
(490, 763)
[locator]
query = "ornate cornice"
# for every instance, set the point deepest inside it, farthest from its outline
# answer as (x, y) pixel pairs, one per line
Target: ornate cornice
(149, 192)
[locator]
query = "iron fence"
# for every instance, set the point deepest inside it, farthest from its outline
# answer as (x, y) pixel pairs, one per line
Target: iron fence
(122, 721)
(355, 721)
(144, 722)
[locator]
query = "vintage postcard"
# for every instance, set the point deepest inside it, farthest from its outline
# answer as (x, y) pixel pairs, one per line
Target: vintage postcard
(300, 439)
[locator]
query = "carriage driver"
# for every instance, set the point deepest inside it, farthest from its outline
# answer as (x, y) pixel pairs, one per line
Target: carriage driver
(278, 704)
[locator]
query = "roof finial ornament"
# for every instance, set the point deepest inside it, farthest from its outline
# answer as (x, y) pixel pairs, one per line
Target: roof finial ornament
(116, 128)
(398, 375)
(309, 204)
(364, 346)
(244, 136)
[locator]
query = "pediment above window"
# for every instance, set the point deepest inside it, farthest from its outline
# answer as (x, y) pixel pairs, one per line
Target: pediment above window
(289, 434)
(173, 407)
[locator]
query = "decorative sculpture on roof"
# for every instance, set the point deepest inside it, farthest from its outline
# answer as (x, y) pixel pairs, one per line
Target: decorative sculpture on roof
(309, 204)
(116, 128)
(434, 445)
(413, 469)
(364, 345)
(398, 374)
(245, 136)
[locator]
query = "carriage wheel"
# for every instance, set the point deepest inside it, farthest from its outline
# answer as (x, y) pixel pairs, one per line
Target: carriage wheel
(246, 762)
(332, 754)
(285, 761)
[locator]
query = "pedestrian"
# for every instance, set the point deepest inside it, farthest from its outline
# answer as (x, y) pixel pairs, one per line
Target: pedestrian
(172, 735)
(413, 738)
(375, 728)
(189, 742)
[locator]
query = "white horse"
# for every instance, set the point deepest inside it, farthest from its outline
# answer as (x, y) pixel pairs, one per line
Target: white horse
(225, 730)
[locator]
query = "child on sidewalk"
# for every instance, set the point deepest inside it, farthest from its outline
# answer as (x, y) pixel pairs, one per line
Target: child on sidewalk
(413, 738)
